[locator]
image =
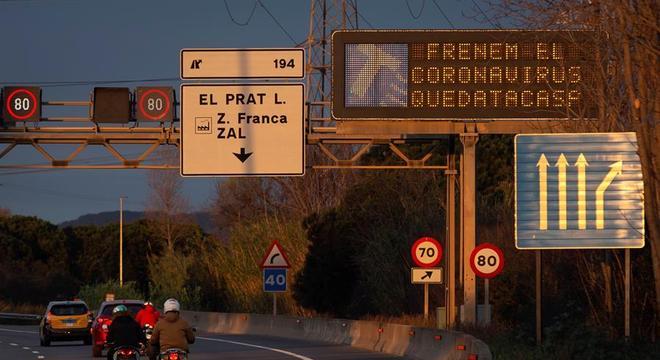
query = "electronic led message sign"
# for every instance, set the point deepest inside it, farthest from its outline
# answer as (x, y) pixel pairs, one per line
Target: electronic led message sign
(463, 74)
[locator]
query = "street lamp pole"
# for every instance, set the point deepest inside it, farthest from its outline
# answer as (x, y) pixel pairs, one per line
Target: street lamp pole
(121, 241)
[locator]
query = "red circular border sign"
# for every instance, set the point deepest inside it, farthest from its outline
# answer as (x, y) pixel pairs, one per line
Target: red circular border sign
(32, 97)
(159, 92)
(499, 268)
(413, 252)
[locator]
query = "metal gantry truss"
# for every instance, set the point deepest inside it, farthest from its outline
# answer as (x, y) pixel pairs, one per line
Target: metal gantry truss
(77, 134)
(84, 137)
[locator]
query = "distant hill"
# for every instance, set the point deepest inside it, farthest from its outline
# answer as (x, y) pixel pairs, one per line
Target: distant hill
(203, 219)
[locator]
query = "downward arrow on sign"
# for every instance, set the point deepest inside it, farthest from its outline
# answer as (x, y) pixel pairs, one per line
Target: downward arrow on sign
(243, 155)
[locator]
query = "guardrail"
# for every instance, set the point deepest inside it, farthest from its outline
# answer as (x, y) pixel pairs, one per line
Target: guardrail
(19, 319)
(402, 340)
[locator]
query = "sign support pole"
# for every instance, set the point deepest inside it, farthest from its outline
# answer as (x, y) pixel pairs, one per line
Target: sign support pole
(426, 301)
(538, 298)
(627, 295)
(274, 304)
(121, 241)
(450, 305)
(486, 305)
(468, 206)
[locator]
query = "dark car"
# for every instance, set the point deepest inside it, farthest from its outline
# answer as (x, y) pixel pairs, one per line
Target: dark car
(104, 319)
(65, 321)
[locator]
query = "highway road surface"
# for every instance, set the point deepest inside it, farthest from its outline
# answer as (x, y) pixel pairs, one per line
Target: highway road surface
(22, 342)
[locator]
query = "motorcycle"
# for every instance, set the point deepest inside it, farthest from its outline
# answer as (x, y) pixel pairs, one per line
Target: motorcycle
(173, 354)
(148, 331)
(126, 353)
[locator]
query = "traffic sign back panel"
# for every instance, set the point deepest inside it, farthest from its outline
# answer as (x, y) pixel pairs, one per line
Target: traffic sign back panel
(578, 191)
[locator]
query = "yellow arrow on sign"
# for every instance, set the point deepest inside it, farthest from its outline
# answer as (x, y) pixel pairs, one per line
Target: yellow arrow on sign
(581, 165)
(543, 192)
(561, 164)
(615, 169)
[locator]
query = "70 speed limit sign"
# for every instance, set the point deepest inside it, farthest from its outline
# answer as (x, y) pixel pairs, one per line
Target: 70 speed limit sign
(487, 260)
(426, 252)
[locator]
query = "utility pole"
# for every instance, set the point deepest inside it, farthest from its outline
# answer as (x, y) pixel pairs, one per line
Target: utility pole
(325, 16)
(121, 241)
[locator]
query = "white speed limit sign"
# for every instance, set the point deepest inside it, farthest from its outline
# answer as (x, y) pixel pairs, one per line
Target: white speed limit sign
(487, 260)
(426, 252)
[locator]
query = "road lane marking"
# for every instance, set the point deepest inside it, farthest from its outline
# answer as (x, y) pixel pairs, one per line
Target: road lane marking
(13, 344)
(20, 331)
(35, 352)
(41, 357)
(297, 356)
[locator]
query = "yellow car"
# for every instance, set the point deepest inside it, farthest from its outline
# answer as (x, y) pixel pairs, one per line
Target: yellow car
(66, 321)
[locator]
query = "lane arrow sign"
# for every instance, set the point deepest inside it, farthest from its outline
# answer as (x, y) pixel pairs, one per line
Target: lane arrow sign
(615, 169)
(427, 275)
(562, 163)
(243, 155)
(543, 192)
(581, 165)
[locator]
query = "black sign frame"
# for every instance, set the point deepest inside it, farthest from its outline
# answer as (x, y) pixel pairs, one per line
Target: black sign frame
(341, 38)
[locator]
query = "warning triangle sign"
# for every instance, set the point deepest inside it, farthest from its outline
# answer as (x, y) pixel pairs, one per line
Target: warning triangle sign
(275, 257)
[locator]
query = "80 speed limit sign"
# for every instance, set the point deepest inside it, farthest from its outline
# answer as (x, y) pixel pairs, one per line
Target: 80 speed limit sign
(155, 104)
(487, 260)
(426, 252)
(21, 104)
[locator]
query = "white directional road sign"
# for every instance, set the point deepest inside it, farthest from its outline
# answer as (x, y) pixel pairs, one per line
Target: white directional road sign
(426, 275)
(242, 63)
(241, 130)
(578, 191)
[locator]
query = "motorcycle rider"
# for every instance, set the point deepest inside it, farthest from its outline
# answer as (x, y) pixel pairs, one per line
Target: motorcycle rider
(172, 331)
(148, 315)
(123, 331)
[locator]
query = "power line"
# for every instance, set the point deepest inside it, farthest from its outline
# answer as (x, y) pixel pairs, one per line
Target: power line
(497, 25)
(277, 22)
(420, 10)
(443, 14)
(86, 82)
(365, 19)
(243, 23)
(63, 194)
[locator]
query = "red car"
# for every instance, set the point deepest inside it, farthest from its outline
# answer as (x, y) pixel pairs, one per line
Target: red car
(104, 319)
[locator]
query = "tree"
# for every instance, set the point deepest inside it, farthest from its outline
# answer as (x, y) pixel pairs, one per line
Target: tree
(627, 79)
(167, 208)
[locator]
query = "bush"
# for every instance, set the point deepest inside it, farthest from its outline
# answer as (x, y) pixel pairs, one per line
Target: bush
(93, 295)
(170, 278)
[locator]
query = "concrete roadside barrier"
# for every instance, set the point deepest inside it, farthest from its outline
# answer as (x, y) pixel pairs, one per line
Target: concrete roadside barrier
(402, 340)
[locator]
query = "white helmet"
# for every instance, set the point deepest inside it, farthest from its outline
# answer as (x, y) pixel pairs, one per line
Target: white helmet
(171, 305)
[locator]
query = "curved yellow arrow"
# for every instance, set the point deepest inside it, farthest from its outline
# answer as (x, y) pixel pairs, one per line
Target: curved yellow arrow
(543, 192)
(581, 165)
(615, 169)
(561, 164)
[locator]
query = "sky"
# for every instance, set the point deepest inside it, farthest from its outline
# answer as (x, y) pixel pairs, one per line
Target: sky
(92, 40)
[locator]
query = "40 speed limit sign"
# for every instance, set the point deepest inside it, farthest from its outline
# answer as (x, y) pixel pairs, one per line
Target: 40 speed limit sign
(487, 260)
(426, 252)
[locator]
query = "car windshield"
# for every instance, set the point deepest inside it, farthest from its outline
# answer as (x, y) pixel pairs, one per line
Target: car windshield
(132, 308)
(71, 309)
